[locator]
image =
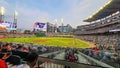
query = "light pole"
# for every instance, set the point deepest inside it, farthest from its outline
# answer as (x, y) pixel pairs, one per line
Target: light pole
(15, 19)
(2, 12)
(62, 25)
(15, 16)
(55, 26)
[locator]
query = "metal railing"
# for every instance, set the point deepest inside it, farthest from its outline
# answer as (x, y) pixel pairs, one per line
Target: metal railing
(55, 63)
(95, 62)
(47, 62)
(51, 53)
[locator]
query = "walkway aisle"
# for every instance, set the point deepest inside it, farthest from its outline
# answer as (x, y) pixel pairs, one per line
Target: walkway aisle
(60, 56)
(81, 59)
(51, 65)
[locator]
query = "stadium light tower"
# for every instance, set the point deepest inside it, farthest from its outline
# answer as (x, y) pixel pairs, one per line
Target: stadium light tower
(62, 21)
(15, 16)
(55, 25)
(2, 13)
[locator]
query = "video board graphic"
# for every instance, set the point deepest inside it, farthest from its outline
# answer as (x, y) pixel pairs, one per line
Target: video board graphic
(40, 26)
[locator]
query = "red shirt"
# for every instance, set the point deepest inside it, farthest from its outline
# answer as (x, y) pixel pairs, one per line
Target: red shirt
(72, 59)
(3, 64)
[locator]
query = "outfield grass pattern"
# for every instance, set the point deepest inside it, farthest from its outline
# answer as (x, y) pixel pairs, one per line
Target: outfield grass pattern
(50, 41)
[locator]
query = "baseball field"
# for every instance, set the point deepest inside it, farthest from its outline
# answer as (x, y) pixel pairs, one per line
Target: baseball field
(51, 41)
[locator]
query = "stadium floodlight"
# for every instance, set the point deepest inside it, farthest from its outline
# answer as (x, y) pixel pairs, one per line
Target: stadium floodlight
(16, 13)
(15, 16)
(2, 9)
(62, 20)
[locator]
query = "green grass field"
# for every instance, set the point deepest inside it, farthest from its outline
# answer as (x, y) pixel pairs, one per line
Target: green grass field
(51, 41)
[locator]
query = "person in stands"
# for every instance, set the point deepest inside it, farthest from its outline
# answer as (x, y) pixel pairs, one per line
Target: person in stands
(3, 63)
(71, 58)
(30, 60)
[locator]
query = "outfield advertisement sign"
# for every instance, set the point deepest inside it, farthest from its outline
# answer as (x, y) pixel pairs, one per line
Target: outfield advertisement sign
(9, 25)
(2, 27)
(39, 26)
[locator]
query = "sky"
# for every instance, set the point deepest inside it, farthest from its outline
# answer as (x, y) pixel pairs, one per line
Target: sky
(73, 12)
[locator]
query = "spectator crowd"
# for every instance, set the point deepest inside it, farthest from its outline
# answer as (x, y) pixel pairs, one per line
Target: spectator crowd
(14, 55)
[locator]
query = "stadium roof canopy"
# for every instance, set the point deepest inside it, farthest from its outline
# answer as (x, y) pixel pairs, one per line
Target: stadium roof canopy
(109, 8)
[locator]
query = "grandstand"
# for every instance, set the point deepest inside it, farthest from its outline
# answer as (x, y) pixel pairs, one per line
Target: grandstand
(104, 26)
(103, 29)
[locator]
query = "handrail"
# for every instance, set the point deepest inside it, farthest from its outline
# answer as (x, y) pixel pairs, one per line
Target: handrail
(66, 63)
(51, 53)
(94, 61)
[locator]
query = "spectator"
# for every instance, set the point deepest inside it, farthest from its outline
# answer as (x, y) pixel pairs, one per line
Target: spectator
(114, 58)
(3, 64)
(14, 61)
(76, 57)
(71, 58)
(31, 60)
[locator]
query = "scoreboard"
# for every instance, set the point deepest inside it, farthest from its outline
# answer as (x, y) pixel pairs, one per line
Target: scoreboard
(40, 26)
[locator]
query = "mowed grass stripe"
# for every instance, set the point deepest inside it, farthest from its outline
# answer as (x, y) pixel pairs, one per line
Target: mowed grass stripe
(50, 41)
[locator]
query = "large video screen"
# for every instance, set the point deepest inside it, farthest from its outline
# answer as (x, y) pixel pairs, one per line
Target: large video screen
(40, 26)
(8, 25)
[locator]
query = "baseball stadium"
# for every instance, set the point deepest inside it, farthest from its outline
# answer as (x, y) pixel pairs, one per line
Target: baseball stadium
(94, 45)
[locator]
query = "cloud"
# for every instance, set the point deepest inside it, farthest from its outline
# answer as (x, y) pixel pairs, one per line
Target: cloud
(77, 11)
(3, 3)
(80, 10)
(26, 15)
(8, 14)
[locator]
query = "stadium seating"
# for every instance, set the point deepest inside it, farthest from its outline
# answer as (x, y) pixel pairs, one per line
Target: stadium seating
(105, 34)
(101, 32)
